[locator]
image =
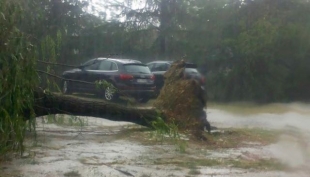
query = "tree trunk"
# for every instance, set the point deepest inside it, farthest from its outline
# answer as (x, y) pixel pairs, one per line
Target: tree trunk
(165, 20)
(56, 103)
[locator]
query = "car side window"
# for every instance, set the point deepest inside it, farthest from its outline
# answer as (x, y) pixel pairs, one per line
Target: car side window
(88, 63)
(161, 67)
(93, 66)
(114, 67)
(105, 65)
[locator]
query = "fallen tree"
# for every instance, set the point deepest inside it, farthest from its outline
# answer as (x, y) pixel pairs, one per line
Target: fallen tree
(56, 103)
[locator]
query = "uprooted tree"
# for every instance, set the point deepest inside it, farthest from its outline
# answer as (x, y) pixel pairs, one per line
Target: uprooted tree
(182, 100)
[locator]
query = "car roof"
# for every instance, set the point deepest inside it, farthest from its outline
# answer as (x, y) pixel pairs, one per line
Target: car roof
(162, 61)
(190, 64)
(124, 61)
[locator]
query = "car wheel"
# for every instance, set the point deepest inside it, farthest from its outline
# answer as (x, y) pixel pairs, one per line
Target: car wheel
(65, 87)
(110, 94)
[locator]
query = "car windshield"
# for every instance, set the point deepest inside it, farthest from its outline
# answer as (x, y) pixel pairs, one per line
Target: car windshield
(134, 68)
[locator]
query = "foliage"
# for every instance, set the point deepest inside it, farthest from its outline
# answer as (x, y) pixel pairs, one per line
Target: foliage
(164, 130)
(17, 78)
(264, 59)
(21, 46)
(103, 84)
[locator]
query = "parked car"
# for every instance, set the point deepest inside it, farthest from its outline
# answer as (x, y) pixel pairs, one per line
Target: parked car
(129, 77)
(158, 68)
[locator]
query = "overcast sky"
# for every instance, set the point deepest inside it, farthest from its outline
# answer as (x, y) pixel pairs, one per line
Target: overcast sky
(101, 6)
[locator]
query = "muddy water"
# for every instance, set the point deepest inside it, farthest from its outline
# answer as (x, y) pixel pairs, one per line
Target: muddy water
(293, 120)
(280, 117)
(103, 148)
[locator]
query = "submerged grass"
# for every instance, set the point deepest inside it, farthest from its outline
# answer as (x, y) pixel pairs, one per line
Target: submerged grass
(194, 163)
(224, 138)
(72, 174)
(67, 120)
(227, 139)
(237, 137)
(261, 164)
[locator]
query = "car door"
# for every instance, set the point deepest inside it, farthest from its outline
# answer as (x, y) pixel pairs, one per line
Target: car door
(102, 73)
(86, 75)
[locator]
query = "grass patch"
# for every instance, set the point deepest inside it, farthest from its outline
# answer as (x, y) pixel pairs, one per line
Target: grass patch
(194, 163)
(66, 120)
(161, 133)
(225, 138)
(234, 138)
(188, 162)
(72, 174)
(135, 133)
(194, 172)
(261, 164)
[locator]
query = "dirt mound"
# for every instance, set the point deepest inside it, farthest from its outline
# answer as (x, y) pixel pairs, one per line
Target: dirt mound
(182, 101)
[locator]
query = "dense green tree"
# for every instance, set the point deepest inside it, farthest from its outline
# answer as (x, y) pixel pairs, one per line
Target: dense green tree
(160, 19)
(17, 76)
(267, 44)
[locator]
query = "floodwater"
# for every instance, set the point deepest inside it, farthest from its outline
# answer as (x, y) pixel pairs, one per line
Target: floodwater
(274, 116)
(105, 148)
(293, 146)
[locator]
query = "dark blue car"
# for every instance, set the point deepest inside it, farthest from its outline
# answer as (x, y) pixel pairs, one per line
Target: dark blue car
(128, 77)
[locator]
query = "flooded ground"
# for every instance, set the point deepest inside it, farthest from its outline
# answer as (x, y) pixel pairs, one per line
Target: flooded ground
(293, 145)
(251, 140)
(273, 116)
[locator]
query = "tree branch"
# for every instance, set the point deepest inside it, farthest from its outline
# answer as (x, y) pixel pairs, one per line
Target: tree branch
(62, 78)
(59, 64)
